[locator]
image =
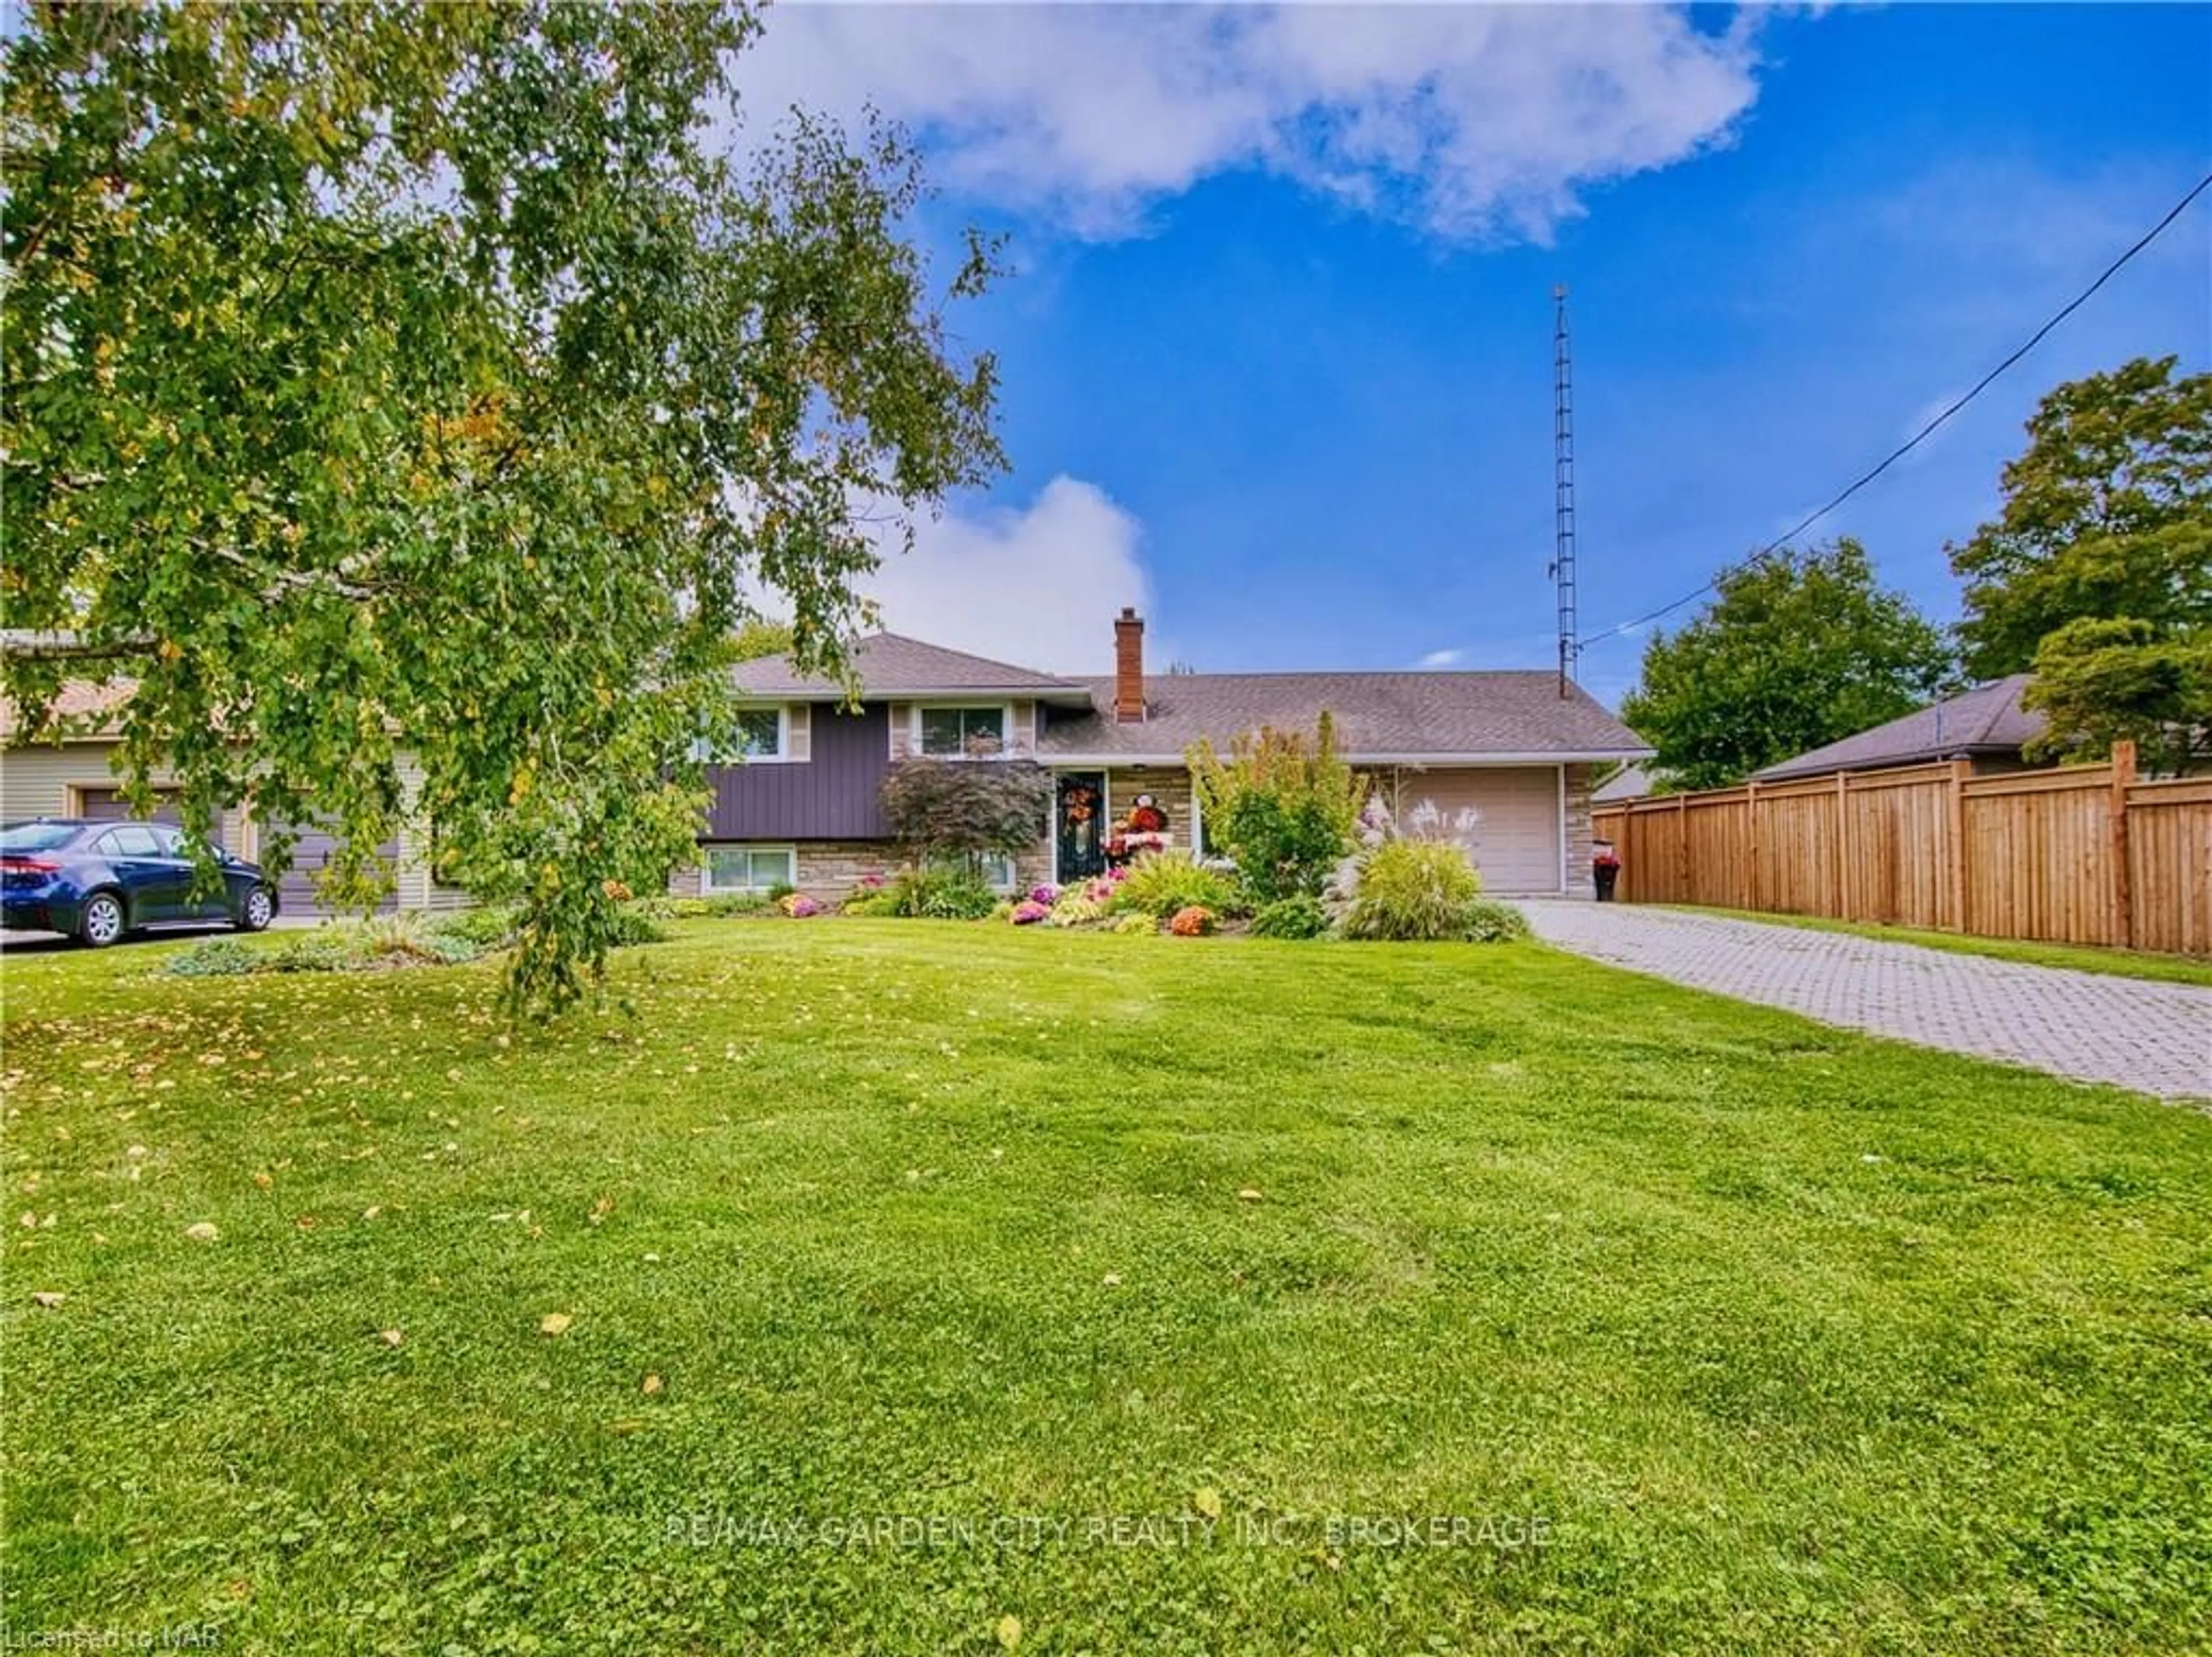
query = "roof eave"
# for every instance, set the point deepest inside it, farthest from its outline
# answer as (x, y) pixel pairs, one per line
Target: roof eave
(1534, 756)
(1071, 695)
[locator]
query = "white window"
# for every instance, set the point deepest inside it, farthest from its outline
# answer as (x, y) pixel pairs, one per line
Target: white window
(960, 732)
(750, 869)
(761, 733)
(994, 868)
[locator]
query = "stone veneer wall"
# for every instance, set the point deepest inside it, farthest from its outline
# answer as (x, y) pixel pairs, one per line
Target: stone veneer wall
(832, 869)
(1169, 785)
(1581, 883)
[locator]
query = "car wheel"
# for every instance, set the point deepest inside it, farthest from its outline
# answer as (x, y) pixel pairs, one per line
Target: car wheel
(257, 911)
(102, 922)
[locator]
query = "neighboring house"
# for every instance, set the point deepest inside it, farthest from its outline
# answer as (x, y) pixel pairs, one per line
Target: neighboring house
(803, 809)
(1985, 726)
(71, 775)
(1629, 782)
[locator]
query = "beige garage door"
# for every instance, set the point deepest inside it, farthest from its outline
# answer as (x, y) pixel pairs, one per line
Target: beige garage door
(1517, 842)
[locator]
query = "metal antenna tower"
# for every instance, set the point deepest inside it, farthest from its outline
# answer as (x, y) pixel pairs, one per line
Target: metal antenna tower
(1563, 483)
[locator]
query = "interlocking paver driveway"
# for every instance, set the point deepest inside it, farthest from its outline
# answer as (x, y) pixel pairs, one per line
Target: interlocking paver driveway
(2153, 1037)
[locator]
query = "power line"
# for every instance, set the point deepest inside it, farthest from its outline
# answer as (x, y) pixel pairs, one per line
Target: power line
(1919, 436)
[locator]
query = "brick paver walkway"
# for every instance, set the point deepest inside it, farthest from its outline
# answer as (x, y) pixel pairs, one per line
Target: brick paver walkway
(2153, 1037)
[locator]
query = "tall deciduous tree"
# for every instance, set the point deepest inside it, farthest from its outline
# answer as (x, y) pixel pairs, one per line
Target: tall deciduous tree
(2097, 573)
(1796, 649)
(392, 380)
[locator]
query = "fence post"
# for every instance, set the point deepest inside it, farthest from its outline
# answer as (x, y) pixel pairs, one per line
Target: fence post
(1751, 828)
(2123, 909)
(1954, 868)
(1682, 848)
(1843, 850)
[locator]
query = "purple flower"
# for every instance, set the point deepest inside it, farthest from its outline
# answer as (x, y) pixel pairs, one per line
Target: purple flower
(1047, 894)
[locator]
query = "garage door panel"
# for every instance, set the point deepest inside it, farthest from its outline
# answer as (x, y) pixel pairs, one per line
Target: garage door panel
(1517, 839)
(108, 806)
(312, 851)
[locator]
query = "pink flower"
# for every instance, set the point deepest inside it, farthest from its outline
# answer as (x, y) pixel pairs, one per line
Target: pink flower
(1047, 894)
(1029, 913)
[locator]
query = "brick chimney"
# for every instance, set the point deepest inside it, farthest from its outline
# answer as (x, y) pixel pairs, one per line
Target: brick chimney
(1128, 666)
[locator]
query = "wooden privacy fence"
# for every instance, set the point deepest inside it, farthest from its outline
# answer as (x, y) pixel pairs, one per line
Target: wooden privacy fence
(2081, 854)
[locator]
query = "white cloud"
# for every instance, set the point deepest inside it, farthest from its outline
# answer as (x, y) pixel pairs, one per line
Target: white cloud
(1436, 659)
(1040, 587)
(1475, 122)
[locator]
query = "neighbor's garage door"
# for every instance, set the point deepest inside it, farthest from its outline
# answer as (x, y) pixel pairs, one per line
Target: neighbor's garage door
(295, 891)
(108, 806)
(1516, 843)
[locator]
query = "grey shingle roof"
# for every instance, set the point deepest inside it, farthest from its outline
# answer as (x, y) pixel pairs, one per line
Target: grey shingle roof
(1629, 782)
(1408, 715)
(1987, 719)
(890, 664)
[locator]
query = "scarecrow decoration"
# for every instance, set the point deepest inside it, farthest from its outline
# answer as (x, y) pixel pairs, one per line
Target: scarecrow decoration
(1145, 829)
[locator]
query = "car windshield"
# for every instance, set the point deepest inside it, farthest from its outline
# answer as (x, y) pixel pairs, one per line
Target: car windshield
(36, 837)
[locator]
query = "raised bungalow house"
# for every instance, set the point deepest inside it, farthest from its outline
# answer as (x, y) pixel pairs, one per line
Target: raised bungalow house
(802, 809)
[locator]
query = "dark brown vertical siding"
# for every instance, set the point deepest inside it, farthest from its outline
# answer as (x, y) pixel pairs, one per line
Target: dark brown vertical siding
(831, 796)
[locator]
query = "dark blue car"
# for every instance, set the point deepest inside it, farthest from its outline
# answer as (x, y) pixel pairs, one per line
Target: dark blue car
(97, 881)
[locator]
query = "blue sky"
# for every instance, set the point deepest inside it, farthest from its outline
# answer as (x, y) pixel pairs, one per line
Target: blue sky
(1276, 355)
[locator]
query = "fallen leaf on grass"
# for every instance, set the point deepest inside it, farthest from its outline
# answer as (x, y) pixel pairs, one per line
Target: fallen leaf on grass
(652, 1387)
(1112, 1280)
(48, 1298)
(202, 1232)
(1250, 1195)
(1009, 1632)
(555, 1323)
(1207, 1500)
(601, 1209)
(389, 1336)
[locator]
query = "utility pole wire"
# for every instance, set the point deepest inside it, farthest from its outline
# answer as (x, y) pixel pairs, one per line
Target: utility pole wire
(1917, 437)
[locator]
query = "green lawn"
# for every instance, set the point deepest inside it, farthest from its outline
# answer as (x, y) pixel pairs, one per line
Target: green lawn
(1781, 1339)
(2080, 957)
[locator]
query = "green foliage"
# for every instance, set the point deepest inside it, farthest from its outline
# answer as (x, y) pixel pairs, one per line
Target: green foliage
(631, 925)
(2106, 516)
(946, 811)
(216, 958)
(1301, 916)
(389, 381)
(1161, 882)
(1413, 890)
(1281, 806)
(1796, 650)
(2098, 572)
(325, 949)
(1135, 926)
(2099, 681)
(757, 639)
(719, 905)
(1489, 921)
(937, 893)
(402, 938)
(1076, 907)
(489, 926)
